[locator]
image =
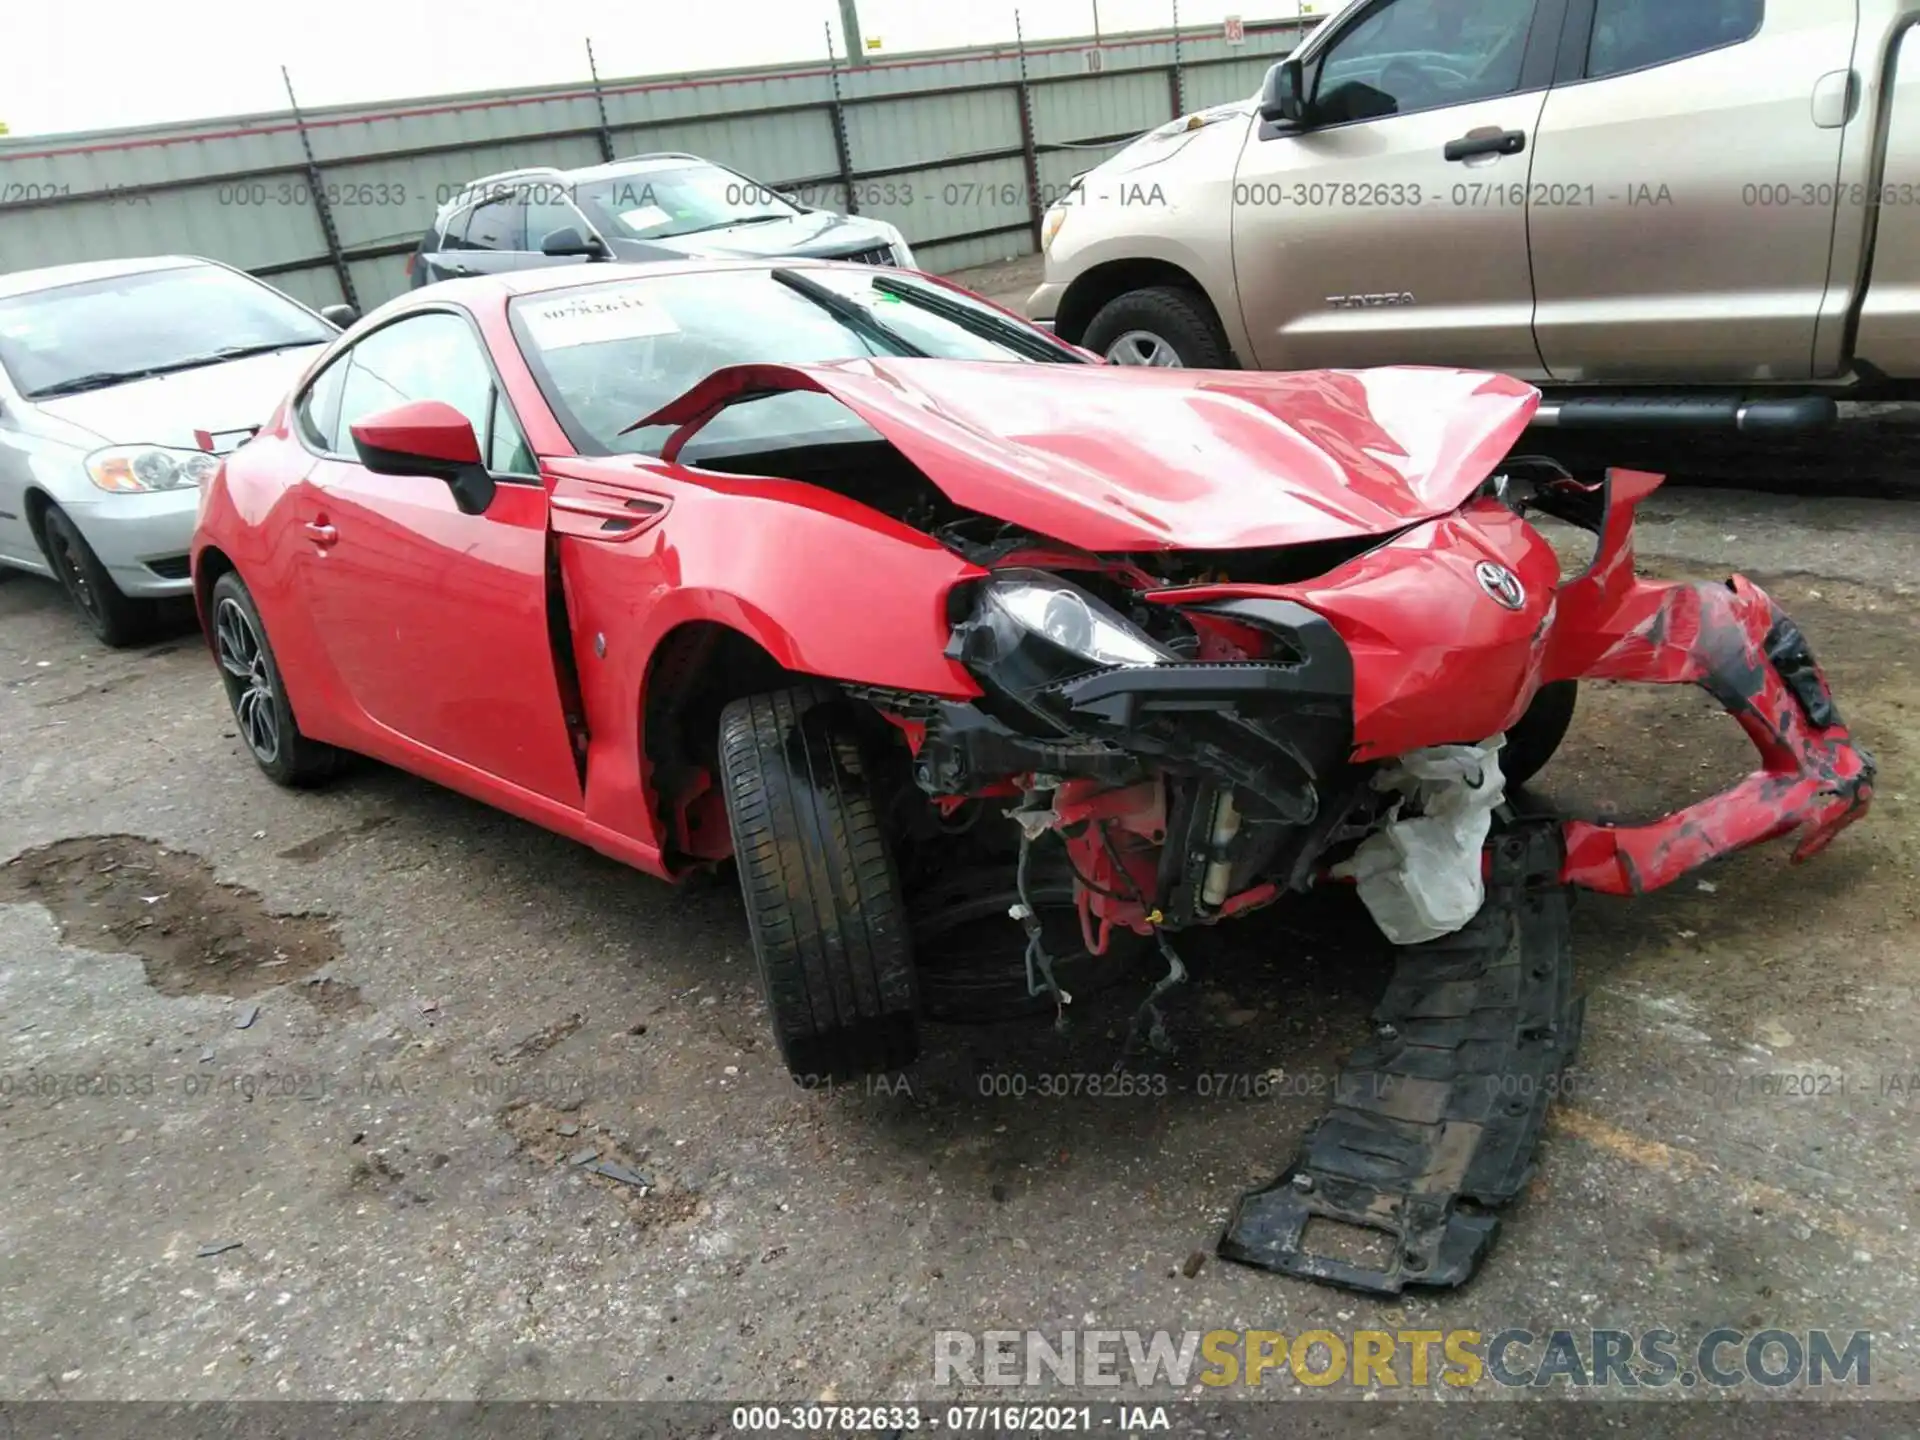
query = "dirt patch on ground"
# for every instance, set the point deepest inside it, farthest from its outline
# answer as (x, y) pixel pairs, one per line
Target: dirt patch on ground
(550, 1136)
(194, 934)
(335, 999)
(325, 843)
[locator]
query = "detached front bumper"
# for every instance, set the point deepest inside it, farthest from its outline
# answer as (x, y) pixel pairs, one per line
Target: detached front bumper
(1735, 643)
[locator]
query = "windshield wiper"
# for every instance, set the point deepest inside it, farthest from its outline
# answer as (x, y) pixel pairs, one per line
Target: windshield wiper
(97, 380)
(226, 353)
(855, 315)
(101, 379)
(986, 327)
(265, 347)
(723, 225)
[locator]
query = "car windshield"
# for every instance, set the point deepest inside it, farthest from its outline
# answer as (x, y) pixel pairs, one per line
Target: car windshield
(608, 355)
(97, 333)
(654, 204)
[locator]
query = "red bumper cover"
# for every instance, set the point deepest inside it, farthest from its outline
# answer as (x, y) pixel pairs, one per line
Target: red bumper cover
(1734, 642)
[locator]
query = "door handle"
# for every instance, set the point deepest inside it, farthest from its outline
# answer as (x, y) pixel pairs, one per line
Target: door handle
(321, 534)
(1498, 142)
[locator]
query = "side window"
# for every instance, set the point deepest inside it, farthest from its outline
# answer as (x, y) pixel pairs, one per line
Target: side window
(1634, 34)
(318, 411)
(1410, 55)
(426, 357)
(507, 450)
(548, 210)
(454, 235)
(498, 225)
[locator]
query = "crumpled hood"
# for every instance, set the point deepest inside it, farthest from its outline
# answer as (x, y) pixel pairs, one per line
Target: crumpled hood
(1108, 457)
(220, 400)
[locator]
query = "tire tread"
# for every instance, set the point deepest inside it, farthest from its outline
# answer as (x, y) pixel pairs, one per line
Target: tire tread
(1180, 316)
(822, 895)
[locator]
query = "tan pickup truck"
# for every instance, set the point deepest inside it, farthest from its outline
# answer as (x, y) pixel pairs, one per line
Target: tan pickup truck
(1687, 212)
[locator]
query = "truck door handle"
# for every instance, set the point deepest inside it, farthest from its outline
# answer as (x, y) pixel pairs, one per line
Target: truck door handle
(1499, 142)
(321, 534)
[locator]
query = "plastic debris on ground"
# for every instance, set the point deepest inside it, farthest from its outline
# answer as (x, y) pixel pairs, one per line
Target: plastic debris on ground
(1420, 877)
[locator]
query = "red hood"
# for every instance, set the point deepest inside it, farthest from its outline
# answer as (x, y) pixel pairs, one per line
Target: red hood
(1108, 457)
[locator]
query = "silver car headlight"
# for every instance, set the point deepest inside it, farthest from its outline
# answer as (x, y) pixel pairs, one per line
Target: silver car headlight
(138, 469)
(1065, 616)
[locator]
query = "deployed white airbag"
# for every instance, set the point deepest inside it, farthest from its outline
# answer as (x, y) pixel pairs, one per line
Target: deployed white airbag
(1420, 877)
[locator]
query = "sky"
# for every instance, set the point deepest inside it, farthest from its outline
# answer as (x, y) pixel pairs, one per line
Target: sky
(74, 66)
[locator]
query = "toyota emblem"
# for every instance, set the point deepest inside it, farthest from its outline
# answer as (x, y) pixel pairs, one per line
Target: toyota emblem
(1501, 584)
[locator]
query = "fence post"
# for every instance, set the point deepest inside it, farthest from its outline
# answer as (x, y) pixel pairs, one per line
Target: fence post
(842, 151)
(1028, 152)
(600, 104)
(1179, 81)
(320, 205)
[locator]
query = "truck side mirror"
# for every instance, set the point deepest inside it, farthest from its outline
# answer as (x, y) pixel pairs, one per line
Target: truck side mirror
(1283, 97)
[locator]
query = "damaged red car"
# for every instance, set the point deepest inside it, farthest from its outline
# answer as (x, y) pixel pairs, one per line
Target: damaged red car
(926, 619)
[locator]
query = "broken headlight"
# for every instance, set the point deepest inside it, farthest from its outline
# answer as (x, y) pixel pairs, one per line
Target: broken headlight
(1030, 628)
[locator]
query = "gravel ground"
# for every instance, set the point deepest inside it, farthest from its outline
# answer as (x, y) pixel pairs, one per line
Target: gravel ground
(352, 1040)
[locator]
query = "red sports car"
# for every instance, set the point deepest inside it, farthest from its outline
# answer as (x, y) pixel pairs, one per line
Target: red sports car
(923, 616)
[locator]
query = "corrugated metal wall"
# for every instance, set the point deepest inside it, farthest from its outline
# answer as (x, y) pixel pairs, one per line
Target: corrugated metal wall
(325, 204)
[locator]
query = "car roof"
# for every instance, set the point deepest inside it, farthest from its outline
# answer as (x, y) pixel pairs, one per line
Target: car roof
(567, 277)
(475, 292)
(50, 277)
(639, 164)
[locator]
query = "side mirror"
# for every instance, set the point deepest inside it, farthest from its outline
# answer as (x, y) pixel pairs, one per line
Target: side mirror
(427, 437)
(1283, 98)
(341, 315)
(569, 241)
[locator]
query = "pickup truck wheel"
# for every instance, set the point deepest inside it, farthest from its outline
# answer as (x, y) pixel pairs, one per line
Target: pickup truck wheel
(1161, 325)
(823, 900)
(1538, 733)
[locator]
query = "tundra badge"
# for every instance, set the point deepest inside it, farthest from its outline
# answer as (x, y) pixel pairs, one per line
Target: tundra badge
(1370, 302)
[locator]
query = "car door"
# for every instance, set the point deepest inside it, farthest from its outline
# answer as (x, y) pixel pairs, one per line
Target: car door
(17, 544)
(1390, 226)
(550, 207)
(489, 239)
(435, 621)
(1683, 198)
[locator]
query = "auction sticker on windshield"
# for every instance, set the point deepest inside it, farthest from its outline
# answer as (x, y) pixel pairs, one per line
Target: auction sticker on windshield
(594, 320)
(645, 218)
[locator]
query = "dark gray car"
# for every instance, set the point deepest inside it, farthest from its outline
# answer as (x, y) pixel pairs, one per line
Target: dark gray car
(646, 207)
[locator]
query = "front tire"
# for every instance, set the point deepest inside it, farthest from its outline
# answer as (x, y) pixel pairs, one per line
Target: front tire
(261, 711)
(822, 893)
(971, 953)
(1162, 325)
(117, 619)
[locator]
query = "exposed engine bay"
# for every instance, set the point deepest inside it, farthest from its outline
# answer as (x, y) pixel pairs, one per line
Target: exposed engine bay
(1325, 660)
(1188, 737)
